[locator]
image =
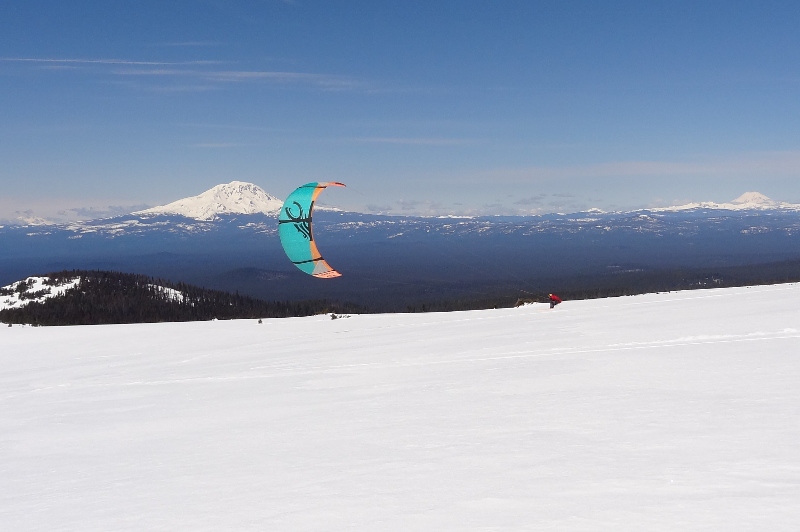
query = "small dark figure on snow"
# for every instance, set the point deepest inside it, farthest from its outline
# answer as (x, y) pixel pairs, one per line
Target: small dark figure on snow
(554, 300)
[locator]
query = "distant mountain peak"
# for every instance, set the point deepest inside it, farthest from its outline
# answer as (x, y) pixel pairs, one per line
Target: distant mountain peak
(236, 197)
(755, 198)
(745, 202)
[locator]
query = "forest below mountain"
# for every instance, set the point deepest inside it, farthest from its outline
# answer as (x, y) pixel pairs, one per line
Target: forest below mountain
(104, 297)
(620, 283)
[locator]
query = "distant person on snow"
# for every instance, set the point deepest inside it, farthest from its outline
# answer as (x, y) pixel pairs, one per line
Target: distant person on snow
(554, 300)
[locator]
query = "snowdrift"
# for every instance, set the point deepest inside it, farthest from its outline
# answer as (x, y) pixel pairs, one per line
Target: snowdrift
(672, 411)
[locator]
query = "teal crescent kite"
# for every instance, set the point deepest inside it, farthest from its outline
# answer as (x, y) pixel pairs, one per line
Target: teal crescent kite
(296, 234)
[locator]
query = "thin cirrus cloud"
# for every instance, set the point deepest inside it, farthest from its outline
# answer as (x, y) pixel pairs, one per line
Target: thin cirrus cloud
(766, 164)
(219, 145)
(189, 44)
(178, 70)
(328, 81)
(235, 127)
(415, 141)
(103, 61)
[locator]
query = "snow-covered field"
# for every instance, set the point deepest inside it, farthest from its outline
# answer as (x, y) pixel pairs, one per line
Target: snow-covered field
(676, 411)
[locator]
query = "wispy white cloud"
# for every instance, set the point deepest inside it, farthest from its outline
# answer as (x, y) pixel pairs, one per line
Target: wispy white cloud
(200, 71)
(92, 213)
(761, 164)
(218, 145)
(190, 44)
(239, 76)
(57, 209)
(235, 127)
(420, 141)
(166, 88)
(52, 61)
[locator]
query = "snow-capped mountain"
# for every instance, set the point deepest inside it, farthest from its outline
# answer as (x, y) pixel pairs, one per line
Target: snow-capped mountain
(749, 201)
(239, 209)
(236, 197)
(250, 206)
(235, 226)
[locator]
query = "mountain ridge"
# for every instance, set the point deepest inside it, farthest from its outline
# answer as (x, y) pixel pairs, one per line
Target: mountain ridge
(239, 198)
(748, 201)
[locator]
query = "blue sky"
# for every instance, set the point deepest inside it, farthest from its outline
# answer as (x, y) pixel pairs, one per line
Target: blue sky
(420, 107)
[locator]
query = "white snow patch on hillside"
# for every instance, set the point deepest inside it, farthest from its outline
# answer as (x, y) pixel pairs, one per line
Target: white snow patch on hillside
(236, 197)
(36, 291)
(661, 412)
(168, 293)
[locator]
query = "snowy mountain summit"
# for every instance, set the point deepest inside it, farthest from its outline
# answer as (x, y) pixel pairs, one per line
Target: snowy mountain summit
(756, 200)
(236, 197)
(746, 202)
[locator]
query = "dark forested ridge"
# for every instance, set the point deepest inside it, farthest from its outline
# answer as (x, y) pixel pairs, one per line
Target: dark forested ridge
(104, 297)
(113, 297)
(625, 282)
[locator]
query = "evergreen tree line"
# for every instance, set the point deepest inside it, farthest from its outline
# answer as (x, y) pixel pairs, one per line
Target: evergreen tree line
(624, 284)
(104, 297)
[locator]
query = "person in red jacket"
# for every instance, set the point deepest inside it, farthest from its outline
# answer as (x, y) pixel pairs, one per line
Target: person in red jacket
(554, 300)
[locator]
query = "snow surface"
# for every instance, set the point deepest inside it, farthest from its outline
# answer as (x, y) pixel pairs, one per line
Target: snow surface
(35, 284)
(662, 412)
(236, 197)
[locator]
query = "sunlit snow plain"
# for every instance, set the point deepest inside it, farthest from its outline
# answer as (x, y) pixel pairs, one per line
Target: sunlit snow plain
(672, 411)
